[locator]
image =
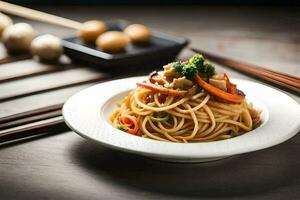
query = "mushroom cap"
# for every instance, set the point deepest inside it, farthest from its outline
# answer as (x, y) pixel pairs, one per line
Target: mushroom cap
(4, 22)
(138, 33)
(47, 47)
(91, 30)
(112, 41)
(17, 37)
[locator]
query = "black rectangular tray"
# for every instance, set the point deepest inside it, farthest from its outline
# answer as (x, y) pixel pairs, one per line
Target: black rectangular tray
(161, 49)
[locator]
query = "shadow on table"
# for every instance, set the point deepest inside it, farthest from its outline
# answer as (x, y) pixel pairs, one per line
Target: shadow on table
(247, 174)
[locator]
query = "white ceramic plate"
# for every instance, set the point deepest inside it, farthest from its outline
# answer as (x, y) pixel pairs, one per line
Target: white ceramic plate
(87, 113)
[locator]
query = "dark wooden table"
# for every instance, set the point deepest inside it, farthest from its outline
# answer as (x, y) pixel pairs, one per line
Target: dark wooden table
(66, 166)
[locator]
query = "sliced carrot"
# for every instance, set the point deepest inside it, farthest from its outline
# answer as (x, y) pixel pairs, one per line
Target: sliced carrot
(133, 131)
(162, 90)
(131, 123)
(225, 96)
(125, 121)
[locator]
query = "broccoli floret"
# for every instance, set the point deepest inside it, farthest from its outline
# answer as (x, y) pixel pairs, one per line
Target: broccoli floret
(207, 69)
(196, 64)
(178, 66)
(197, 60)
(189, 71)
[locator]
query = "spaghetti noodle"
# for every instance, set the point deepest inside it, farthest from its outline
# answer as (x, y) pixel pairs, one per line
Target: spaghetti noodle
(154, 110)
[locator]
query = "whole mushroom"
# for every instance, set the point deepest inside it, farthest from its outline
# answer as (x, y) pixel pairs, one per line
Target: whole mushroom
(17, 38)
(90, 30)
(4, 22)
(138, 33)
(112, 41)
(47, 47)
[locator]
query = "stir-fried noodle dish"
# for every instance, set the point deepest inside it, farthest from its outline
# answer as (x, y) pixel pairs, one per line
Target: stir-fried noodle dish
(186, 102)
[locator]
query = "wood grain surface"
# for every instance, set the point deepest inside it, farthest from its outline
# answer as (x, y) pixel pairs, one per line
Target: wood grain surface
(66, 166)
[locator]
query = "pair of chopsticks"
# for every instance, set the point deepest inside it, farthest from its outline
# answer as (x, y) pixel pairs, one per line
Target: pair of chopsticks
(31, 123)
(45, 127)
(30, 116)
(286, 81)
(38, 121)
(45, 120)
(42, 121)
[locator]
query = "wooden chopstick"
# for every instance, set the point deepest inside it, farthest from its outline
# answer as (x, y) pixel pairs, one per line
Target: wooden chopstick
(31, 113)
(31, 119)
(38, 15)
(34, 122)
(282, 79)
(220, 58)
(48, 126)
(30, 116)
(38, 120)
(13, 58)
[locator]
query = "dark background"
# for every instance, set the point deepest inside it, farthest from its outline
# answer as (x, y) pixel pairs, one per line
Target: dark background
(159, 2)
